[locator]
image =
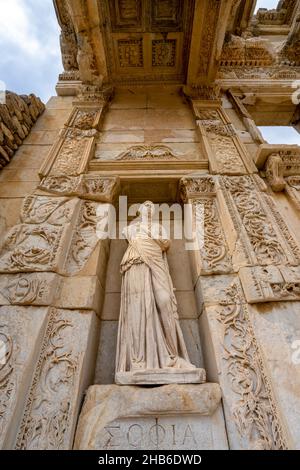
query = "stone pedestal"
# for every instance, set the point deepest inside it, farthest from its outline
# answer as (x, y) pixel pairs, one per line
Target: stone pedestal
(161, 376)
(179, 417)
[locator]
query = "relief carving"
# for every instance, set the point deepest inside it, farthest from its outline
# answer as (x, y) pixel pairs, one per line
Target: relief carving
(73, 151)
(164, 53)
(61, 185)
(130, 52)
(85, 238)
(251, 217)
(270, 283)
(41, 209)
(224, 155)
(47, 414)
(148, 152)
(7, 382)
(254, 410)
(201, 191)
(85, 186)
(214, 253)
(31, 248)
(100, 189)
(239, 51)
(30, 289)
(191, 188)
(70, 154)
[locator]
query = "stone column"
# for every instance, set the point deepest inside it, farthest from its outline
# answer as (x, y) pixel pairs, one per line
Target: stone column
(244, 237)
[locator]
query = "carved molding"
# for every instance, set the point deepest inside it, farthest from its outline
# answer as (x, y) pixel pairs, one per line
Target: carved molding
(85, 238)
(197, 187)
(55, 393)
(225, 152)
(39, 243)
(94, 187)
(28, 289)
(270, 283)
(264, 236)
(254, 410)
(70, 155)
(148, 152)
(212, 245)
(240, 51)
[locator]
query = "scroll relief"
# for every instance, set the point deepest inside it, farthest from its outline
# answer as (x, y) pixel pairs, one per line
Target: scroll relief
(254, 409)
(201, 192)
(265, 237)
(226, 156)
(39, 243)
(51, 408)
(19, 331)
(72, 152)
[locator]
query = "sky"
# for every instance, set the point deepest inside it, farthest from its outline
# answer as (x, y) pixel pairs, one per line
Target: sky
(269, 4)
(30, 58)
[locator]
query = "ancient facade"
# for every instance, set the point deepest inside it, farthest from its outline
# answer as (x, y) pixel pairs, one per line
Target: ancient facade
(159, 100)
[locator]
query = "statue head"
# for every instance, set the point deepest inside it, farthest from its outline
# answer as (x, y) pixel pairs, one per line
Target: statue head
(147, 210)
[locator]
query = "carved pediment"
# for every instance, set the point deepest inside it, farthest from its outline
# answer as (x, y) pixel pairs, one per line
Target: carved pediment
(148, 152)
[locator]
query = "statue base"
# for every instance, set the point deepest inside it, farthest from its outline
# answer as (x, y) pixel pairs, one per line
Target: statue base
(161, 377)
(175, 417)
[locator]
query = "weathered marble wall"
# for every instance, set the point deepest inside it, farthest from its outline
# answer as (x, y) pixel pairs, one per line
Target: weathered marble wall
(60, 288)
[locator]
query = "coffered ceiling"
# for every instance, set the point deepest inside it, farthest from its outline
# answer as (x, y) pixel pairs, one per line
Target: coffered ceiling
(121, 42)
(147, 39)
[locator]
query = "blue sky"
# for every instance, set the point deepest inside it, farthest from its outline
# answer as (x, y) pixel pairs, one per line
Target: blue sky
(269, 4)
(30, 59)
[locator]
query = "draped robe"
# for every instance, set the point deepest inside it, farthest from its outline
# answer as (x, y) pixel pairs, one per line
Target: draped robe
(149, 335)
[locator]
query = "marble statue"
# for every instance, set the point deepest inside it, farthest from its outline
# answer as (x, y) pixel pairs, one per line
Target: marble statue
(151, 347)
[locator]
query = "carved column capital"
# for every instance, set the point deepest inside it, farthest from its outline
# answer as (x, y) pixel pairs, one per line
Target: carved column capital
(196, 187)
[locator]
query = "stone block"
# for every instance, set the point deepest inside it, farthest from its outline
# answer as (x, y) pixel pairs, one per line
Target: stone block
(28, 289)
(84, 293)
(127, 417)
(62, 373)
(21, 334)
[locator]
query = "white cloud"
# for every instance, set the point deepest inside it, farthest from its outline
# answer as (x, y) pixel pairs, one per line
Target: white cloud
(15, 27)
(30, 58)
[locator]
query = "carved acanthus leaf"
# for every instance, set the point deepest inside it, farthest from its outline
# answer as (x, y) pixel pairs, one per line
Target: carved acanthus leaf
(148, 152)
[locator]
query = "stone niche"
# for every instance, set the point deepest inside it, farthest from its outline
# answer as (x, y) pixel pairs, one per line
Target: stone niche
(174, 416)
